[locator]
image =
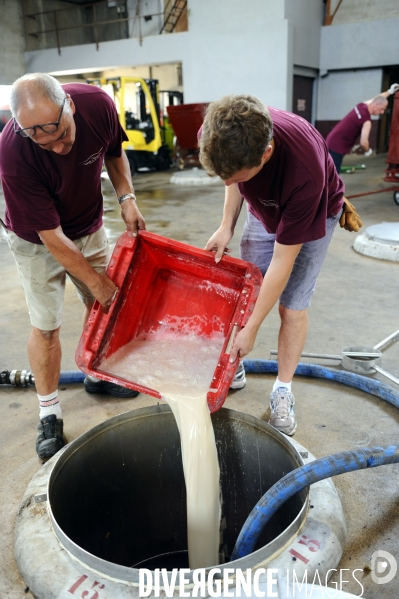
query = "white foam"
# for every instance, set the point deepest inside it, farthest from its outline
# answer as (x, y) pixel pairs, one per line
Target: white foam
(181, 369)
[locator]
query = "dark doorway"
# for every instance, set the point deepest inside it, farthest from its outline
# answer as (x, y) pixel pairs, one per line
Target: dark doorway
(302, 97)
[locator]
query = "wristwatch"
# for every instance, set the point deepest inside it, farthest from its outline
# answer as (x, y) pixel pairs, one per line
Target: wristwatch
(126, 196)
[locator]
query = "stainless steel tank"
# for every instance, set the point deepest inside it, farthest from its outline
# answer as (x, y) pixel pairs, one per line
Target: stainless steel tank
(117, 497)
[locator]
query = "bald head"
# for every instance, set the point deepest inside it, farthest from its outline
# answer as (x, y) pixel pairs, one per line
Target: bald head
(34, 89)
(43, 111)
(380, 101)
(378, 105)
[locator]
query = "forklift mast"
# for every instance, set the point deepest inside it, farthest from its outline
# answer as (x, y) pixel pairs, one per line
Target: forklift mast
(137, 101)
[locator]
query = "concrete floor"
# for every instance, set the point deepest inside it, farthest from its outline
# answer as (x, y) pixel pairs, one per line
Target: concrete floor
(356, 303)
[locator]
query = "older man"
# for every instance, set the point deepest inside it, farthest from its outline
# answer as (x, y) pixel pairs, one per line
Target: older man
(357, 123)
(51, 157)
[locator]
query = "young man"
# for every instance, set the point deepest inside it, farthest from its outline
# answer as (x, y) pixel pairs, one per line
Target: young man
(357, 122)
(51, 157)
(280, 165)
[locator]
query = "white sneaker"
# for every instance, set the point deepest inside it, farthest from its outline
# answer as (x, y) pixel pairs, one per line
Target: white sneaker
(282, 415)
(239, 378)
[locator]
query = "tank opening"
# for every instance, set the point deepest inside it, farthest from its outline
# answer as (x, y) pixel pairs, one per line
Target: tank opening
(118, 492)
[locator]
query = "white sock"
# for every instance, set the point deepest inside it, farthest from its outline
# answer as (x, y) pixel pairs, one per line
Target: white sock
(93, 379)
(49, 404)
(279, 384)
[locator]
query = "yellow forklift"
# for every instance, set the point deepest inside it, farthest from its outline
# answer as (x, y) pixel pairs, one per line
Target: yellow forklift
(137, 103)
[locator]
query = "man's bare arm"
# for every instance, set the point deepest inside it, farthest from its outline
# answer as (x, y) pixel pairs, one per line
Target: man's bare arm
(118, 170)
(72, 259)
(364, 136)
(231, 211)
(273, 285)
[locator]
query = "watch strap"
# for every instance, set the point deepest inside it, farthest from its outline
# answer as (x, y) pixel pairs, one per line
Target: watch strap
(126, 196)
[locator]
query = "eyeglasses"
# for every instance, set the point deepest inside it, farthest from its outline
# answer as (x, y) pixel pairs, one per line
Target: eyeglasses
(47, 128)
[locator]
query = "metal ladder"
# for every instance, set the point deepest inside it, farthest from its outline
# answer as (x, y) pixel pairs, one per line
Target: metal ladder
(174, 14)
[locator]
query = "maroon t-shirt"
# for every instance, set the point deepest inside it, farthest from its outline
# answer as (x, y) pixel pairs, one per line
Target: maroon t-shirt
(43, 190)
(298, 188)
(344, 135)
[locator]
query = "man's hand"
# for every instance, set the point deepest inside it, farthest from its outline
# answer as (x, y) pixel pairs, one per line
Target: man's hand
(243, 343)
(104, 291)
(394, 88)
(218, 242)
(132, 216)
(368, 153)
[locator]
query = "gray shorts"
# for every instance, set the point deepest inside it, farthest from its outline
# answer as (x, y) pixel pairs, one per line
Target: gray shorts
(257, 246)
(43, 278)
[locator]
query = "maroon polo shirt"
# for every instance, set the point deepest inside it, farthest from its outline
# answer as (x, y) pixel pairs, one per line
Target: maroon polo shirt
(43, 190)
(344, 135)
(298, 188)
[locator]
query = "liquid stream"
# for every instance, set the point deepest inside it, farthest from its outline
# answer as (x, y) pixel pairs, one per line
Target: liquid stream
(181, 369)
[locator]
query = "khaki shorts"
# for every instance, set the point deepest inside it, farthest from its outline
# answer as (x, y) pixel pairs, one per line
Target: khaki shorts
(43, 278)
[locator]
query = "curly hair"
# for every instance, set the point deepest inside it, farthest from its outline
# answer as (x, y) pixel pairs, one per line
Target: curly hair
(235, 134)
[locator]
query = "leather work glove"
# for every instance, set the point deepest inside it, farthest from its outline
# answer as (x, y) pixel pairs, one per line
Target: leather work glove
(350, 219)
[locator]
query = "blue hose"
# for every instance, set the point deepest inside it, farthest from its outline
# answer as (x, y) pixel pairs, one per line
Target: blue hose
(364, 383)
(71, 377)
(22, 378)
(298, 479)
(320, 469)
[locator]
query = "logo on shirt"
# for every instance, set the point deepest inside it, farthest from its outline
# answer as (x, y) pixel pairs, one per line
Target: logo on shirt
(267, 203)
(359, 116)
(92, 158)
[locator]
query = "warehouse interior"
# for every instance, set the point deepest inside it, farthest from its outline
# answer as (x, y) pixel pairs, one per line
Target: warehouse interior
(317, 59)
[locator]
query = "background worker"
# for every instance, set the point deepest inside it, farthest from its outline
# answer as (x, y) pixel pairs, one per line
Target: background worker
(51, 157)
(357, 122)
(280, 165)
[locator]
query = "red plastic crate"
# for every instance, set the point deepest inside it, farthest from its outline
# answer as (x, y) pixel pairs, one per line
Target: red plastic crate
(159, 279)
